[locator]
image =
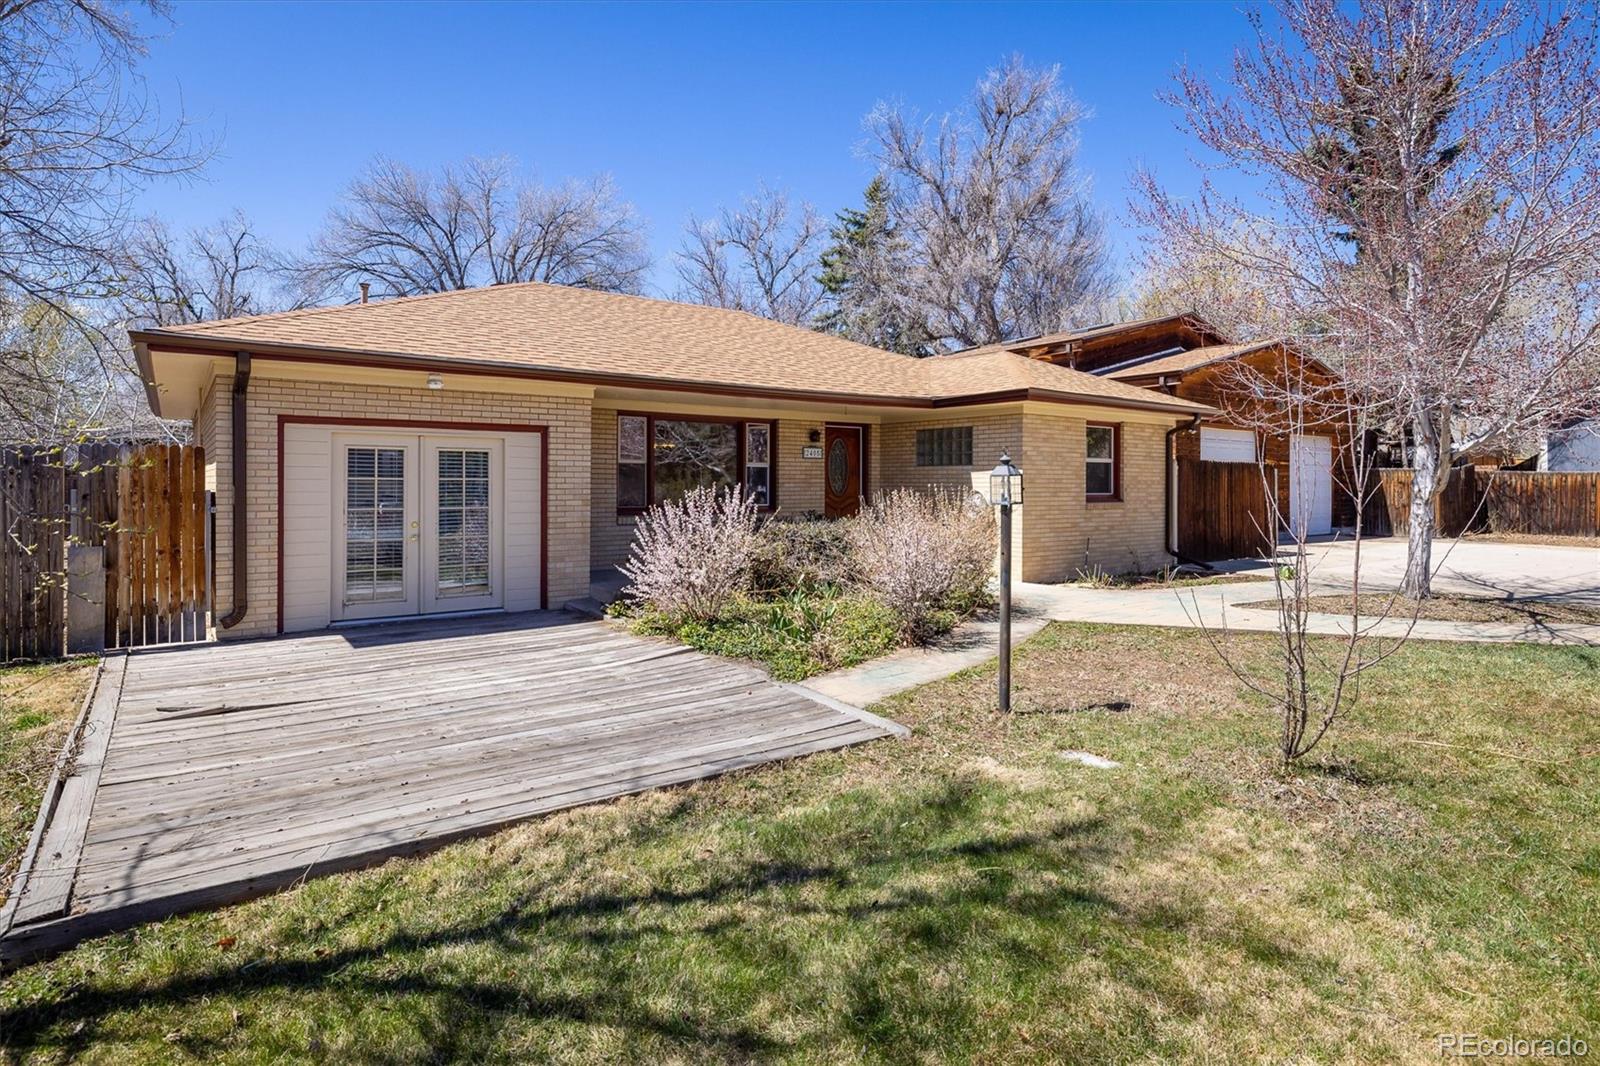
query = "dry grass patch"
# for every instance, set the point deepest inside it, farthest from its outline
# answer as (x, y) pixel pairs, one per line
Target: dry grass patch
(1553, 539)
(38, 704)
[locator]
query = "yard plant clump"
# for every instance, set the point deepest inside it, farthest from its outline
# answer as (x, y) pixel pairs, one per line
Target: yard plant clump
(806, 595)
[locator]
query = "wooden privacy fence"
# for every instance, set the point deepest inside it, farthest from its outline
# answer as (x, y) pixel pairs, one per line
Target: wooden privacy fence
(111, 541)
(1516, 501)
(1223, 511)
(1492, 501)
(33, 506)
(1388, 507)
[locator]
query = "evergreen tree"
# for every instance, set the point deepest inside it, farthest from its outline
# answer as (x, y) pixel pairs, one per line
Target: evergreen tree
(859, 273)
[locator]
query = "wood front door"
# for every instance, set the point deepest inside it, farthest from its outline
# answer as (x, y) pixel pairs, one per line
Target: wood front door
(843, 449)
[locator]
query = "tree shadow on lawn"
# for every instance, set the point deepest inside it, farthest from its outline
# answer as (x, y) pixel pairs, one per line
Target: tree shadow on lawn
(465, 1025)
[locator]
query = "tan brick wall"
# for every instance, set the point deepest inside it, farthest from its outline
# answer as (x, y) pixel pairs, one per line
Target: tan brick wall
(991, 435)
(1129, 534)
(567, 419)
(1065, 533)
(800, 481)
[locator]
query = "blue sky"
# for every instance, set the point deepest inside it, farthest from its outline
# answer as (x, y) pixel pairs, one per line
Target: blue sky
(687, 106)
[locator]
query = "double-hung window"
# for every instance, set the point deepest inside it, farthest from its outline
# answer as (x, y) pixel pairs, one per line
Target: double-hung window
(662, 458)
(1102, 473)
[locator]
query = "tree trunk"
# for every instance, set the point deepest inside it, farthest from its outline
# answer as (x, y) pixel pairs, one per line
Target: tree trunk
(1424, 489)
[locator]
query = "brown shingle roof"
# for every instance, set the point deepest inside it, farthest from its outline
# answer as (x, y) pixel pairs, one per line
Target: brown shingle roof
(583, 334)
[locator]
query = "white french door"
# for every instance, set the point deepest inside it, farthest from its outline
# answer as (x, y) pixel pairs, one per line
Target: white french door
(418, 521)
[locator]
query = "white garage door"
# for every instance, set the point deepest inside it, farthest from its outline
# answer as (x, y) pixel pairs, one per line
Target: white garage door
(1227, 445)
(1311, 485)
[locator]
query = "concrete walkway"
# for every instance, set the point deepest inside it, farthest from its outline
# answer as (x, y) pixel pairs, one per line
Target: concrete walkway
(971, 644)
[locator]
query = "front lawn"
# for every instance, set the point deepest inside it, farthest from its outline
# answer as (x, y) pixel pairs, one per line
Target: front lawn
(964, 895)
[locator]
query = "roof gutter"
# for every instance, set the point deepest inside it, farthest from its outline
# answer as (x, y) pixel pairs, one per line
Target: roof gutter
(241, 486)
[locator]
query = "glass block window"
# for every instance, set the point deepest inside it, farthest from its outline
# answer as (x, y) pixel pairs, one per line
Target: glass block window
(375, 511)
(948, 446)
(464, 522)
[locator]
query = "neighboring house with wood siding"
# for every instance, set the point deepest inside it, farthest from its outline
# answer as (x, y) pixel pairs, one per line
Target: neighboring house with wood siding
(488, 449)
(1185, 357)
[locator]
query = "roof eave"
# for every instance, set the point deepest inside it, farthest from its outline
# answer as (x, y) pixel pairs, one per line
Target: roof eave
(147, 376)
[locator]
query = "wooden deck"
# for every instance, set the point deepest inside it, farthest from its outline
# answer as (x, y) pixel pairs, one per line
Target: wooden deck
(212, 773)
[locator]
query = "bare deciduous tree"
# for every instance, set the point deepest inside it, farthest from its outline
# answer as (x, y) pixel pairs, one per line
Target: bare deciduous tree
(1215, 287)
(1311, 680)
(220, 271)
(761, 257)
(1006, 243)
(1429, 207)
(78, 137)
(58, 382)
(410, 232)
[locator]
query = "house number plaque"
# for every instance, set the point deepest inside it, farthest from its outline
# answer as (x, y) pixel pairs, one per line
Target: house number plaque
(811, 451)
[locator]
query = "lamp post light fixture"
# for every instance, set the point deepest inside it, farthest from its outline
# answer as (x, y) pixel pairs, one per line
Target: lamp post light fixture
(1005, 491)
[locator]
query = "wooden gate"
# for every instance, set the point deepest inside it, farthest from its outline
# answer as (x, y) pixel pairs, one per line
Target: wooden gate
(145, 508)
(1224, 511)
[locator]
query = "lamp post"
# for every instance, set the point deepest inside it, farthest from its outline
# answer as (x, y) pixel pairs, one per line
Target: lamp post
(1005, 489)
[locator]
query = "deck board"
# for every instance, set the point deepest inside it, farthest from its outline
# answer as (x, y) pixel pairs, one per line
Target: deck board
(237, 769)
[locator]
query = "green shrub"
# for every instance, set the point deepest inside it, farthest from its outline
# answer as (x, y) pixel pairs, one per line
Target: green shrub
(794, 638)
(796, 553)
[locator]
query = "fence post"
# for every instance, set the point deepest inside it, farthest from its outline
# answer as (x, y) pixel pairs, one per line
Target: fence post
(86, 590)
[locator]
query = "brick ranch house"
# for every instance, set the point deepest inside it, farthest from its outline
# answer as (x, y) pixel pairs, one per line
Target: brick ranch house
(1186, 357)
(489, 448)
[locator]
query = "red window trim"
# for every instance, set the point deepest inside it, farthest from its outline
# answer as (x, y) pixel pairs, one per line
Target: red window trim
(650, 418)
(1115, 495)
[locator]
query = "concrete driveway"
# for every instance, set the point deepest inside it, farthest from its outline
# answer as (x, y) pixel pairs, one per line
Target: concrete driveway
(1467, 567)
(1477, 568)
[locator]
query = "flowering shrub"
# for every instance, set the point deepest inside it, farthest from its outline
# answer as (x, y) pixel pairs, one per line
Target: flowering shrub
(925, 553)
(691, 558)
